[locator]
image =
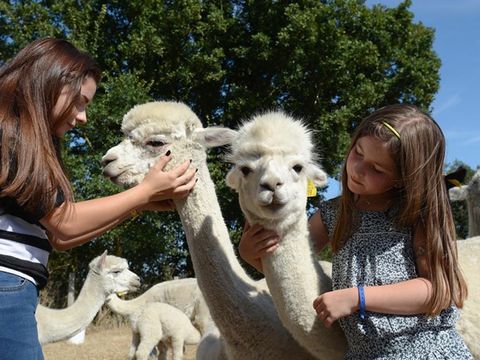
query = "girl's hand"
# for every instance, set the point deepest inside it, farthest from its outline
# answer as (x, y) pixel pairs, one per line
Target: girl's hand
(161, 185)
(255, 243)
(333, 305)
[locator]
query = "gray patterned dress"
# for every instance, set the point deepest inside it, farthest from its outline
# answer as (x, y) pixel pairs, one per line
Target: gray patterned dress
(378, 254)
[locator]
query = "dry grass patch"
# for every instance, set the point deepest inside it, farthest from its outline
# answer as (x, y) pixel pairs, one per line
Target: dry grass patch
(100, 344)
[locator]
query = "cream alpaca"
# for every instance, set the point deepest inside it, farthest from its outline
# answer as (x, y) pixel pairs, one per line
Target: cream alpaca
(270, 172)
(183, 294)
(469, 323)
(153, 324)
(107, 275)
(471, 194)
(241, 308)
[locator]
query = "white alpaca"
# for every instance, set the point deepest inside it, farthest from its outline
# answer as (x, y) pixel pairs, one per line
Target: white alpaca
(469, 323)
(183, 294)
(156, 323)
(272, 159)
(108, 274)
(471, 194)
(241, 308)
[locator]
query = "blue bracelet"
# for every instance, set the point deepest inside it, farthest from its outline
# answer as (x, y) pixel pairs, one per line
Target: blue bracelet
(361, 300)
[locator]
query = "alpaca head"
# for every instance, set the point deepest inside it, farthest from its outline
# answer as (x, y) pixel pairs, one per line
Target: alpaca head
(153, 128)
(114, 274)
(273, 158)
(469, 192)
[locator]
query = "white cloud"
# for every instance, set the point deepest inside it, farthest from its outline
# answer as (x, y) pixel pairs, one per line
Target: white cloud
(473, 140)
(451, 101)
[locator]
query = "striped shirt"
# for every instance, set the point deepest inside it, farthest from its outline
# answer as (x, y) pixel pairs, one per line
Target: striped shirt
(24, 245)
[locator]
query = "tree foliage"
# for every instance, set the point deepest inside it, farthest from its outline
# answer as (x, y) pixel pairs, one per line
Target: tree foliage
(329, 62)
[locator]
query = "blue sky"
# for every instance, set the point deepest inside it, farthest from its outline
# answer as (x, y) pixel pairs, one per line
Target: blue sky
(457, 44)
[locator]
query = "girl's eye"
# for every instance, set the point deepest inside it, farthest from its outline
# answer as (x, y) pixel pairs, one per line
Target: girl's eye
(155, 143)
(80, 105)
(245, 170)
(298, 168)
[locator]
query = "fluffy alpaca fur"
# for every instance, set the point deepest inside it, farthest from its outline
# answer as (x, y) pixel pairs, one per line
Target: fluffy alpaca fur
(469, 323)
(471, 194)
(183, 294)
(241, 308)
(155, 323)
(107, 275)
(270, 172)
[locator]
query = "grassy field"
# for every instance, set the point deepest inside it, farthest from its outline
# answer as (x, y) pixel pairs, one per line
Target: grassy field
(100, 344)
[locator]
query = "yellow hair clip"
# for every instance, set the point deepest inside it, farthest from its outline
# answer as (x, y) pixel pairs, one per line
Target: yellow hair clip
(392, 129)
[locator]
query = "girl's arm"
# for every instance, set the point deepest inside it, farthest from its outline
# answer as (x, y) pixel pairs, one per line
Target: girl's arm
(73, 224)
(318, 231)
(408, 297)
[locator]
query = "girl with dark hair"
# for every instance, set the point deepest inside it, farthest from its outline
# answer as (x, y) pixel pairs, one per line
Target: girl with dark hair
(396, 280)
(44, 92)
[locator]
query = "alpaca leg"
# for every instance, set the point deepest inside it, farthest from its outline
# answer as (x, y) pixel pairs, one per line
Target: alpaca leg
(177, 348)
(145, 347)
(134, 345)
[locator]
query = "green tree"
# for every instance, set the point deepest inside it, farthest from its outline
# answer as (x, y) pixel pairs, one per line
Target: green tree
(329, 62)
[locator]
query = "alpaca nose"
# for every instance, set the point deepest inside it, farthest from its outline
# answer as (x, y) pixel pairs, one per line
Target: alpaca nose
(107, 159)
(271, 186)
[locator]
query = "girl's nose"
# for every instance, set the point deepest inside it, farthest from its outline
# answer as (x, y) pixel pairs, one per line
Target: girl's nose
(81, 117)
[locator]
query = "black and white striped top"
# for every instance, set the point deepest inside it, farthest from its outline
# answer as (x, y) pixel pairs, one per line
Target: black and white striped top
(24, 245)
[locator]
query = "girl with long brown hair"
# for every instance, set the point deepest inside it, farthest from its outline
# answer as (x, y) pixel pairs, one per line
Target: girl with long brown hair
(44, 92)
(396, 280)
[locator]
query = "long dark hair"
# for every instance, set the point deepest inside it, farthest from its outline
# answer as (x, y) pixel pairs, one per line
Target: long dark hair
(30, 84)
(422, 200)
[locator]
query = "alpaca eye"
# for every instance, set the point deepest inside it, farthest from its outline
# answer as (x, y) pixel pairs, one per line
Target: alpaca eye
(245, 170)
(155, 143)
(298, 168)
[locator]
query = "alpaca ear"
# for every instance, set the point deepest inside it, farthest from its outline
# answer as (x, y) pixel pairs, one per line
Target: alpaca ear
(458, 193)
(233, 180)
(215, 136)
(102, 260)
(317, 175)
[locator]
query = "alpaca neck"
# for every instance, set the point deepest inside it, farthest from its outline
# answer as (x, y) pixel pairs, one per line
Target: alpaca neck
(125, 307)
(242, 311)
(60, 324)
(295, 279)
(473, 218)
(219, 274)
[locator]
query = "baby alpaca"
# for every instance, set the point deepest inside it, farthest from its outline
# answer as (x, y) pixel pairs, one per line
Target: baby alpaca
(183, 294)
(160, 323)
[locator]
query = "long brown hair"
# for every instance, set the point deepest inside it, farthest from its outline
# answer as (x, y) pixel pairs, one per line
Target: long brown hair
(30, 84)
(422, 200)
